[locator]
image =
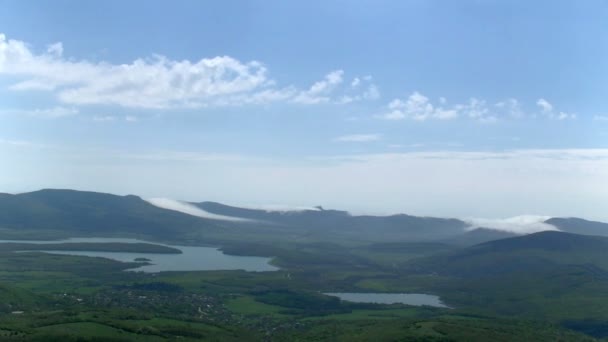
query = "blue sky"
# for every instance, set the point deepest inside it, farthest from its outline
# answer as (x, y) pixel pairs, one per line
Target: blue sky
(452, 108)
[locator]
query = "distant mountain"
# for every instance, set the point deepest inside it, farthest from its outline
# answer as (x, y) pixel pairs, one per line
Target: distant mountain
(83, 213)
(340, 223)
(86, 213)
(579, 226)
(479, 235)
(552, 241)
(91, 213)
(523, 254)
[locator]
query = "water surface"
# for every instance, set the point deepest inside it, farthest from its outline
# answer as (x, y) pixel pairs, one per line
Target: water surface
(417, 299)
(191, 259)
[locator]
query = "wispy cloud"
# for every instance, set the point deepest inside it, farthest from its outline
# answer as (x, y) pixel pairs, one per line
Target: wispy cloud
(47, 113)
(115, 118)
(279, 207)
(511, 107)
(23, 143)
(319, 91)
(159, 82)
(358, 138)
(419, 107)
(523, 224)
(190, 209)
(104, 118)
(183, 156)
(547, 110)
(560, 182)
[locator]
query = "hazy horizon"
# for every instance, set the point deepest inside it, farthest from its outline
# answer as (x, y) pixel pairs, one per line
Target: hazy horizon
(400, 107)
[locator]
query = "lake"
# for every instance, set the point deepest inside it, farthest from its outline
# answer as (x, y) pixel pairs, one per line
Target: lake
(417, 299)
(191, 259)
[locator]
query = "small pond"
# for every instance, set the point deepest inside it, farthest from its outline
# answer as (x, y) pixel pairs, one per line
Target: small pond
(417, 299)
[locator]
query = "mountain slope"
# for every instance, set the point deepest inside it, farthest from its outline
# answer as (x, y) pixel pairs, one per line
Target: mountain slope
(82, 212)
(538, 252)
(90, 213)
(342, 224)
(579, 226)
(479, 235)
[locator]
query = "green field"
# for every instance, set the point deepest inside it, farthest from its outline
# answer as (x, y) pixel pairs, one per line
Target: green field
(70, 297)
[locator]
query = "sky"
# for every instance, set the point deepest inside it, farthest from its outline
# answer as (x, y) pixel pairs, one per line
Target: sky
(470, 108)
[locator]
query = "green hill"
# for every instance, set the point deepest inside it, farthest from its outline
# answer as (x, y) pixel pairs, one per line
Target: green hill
(579, 226)
(531, 253)
(59, 213)
(338, 224)
(92, 213)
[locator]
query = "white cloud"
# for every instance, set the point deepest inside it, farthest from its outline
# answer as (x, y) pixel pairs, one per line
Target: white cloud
(544, 105)
(319, 91)
(190, 209)
(104, 118)
(158, 82)
(523, 224)
(184, 156)
(55, 49)
(324, 91)
(148, 83)
(556, 183)
(418, 107)
(393, 115)
(112, 118)
(24, 144)
(511, 108)
(372, 93)
(49, 113)
(546, 109)
(477, 109)
(358, 138)
(55, 112)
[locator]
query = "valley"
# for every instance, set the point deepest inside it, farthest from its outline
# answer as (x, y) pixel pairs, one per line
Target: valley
(546, 286)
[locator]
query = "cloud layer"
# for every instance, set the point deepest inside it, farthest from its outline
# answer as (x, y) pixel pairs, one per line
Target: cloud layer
(190, 209)
(358, 138)
(159, 82)
(419, 107)
(564, 183)
(524, 224)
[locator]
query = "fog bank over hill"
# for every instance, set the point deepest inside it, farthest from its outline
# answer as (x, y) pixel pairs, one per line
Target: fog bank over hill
(187, 208)
(523, 224)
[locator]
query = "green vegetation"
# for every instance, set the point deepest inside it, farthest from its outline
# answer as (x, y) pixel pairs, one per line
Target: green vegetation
(438, 329)
(69, 297)
(247, 305)
(548, 286)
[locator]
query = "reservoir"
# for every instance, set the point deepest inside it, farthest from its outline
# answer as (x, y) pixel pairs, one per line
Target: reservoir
(417, 299)
(191, 259)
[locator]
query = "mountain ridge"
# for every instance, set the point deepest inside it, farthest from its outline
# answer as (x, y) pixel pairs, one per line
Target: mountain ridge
(97, 213)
